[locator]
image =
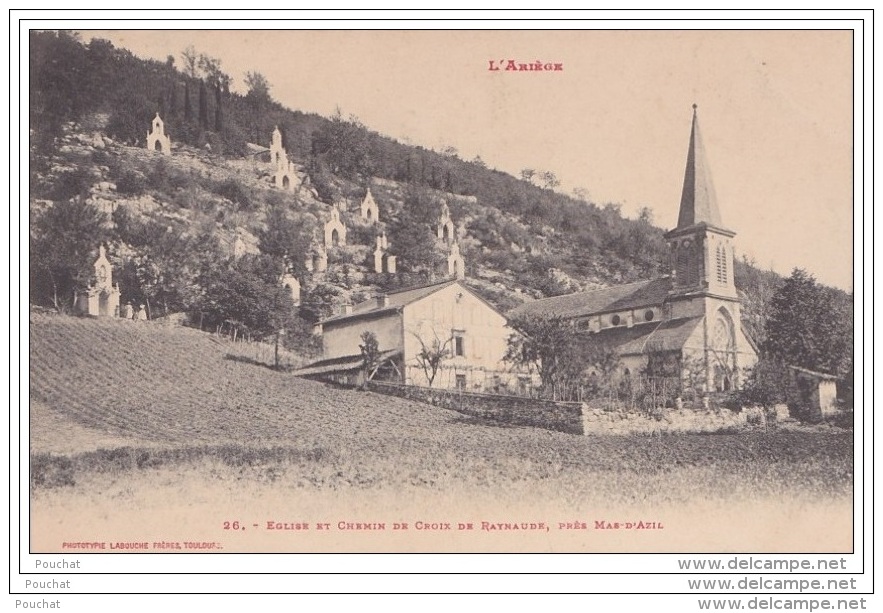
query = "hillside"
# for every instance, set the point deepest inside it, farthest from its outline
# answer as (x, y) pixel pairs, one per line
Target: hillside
(205, 232)
(92, 105)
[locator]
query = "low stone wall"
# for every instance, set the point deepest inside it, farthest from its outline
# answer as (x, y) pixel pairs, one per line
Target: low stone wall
(672, 421)
(577, 418)
(514, 410)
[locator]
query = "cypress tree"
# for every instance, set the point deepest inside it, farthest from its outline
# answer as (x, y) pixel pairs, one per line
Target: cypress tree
(188, 111)
(203, 106)
(219, 120)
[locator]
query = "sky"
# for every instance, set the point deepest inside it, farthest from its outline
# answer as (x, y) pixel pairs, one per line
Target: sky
(775, 110)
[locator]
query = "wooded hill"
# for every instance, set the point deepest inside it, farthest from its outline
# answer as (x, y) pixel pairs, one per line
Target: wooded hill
(170, 221)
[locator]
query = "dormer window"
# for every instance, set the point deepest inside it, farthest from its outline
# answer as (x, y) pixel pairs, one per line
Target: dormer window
(616, 320)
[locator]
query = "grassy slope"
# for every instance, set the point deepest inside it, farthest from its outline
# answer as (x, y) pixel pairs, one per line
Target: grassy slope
(156, 434)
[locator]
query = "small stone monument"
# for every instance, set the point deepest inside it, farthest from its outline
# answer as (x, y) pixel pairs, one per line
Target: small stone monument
(102, 298)
(369, 210)
(157, 139)
(456, 264)
(378, 257)
(285, 173)
(320, 261)
(335, 231)
(291, 283)
(445, 228)
(381, 256)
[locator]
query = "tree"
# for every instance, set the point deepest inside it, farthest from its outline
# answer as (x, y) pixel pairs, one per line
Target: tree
(768, 383)
(284, 238)
(257, 88)
(247, 294)
(412, 238)
(203, 106)
(542, 344)
(213, 75)
(191, 61)
(756, 289)
(219, 117)
(188, 109)
(60, 74)
(62, 246)
(527, 174)
(370, 349)
(810, 326)
(582, 194)
(432, 354)
(550, 180)
(343, 145)
(548, 345)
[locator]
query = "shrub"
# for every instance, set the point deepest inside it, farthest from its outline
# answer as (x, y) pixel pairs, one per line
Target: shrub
(49, 471)
(70, 184)
(234, 192)
(131, 183)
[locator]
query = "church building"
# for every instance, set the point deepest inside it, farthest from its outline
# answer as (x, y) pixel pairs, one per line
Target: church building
(692, 314)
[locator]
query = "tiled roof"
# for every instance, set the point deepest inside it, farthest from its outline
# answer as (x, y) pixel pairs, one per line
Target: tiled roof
(608, 299)
(395, 301)
(668, 335)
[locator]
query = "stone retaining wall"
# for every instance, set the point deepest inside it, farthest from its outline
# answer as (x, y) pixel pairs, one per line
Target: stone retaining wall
(514, 410)
(577, 418)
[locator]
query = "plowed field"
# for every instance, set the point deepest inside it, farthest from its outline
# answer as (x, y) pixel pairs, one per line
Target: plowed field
(120, 409)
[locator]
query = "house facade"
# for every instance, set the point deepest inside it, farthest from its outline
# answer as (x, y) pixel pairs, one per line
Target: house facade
(446, 318)
(691, 317)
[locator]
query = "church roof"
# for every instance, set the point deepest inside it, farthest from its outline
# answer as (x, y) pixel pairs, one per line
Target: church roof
(608, 299)
(698, 199)
(669, 335)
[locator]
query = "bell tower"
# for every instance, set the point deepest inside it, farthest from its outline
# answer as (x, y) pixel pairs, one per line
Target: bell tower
(702, 284)
(701, 247)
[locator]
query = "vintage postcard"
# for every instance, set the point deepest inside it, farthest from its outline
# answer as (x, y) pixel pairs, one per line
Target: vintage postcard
(396, 291)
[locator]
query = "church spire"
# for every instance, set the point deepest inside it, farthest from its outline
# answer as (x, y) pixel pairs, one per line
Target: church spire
(698, 200)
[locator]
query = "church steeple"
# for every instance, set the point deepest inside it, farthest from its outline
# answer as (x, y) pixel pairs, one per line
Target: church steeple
(698, 200)
(701, 248)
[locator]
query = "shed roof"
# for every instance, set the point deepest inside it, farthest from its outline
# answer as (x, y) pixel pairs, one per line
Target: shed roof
(347, 363)
(813, 373)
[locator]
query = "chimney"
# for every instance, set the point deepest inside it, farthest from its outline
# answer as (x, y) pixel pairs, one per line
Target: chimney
(346, 309)
(382, 301)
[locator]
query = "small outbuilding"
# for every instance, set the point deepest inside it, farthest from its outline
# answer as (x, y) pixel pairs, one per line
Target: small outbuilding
(817, 392)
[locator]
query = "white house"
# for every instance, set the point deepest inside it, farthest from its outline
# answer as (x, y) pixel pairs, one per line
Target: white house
(446, 317)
